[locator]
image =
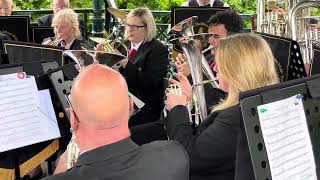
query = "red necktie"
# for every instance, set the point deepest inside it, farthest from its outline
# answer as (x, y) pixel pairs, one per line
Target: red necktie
(132, 53)
(213, 64)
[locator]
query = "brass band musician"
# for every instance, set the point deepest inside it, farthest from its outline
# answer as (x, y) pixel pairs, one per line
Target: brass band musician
(146, 66)
(243, 62)
(66, 29)
(221, 25)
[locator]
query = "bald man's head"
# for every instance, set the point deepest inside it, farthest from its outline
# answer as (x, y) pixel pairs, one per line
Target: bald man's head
(57, 5)
(100, 98)
(6, 7)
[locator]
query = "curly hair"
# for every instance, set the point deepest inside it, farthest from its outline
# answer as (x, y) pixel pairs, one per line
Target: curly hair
(230, 19)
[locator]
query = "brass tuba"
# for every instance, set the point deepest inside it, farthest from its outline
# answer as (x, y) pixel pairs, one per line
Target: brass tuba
(305, 36)
(273, 23)
(196, 62)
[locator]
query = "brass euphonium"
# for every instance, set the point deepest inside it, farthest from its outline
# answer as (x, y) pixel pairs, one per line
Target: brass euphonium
(112, 53)
(305, 36)
(73, 152)
(196, 62)
(113, 50)
(271, 22)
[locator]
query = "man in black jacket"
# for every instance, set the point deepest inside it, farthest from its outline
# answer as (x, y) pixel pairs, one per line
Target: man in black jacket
(57, 5)
(99, 113)
(221, 25)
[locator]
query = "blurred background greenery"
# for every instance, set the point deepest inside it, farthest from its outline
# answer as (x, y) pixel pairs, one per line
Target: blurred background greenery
(241, 6)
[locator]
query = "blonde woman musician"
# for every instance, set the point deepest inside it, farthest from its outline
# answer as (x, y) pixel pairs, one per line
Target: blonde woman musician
(146, 66)
(243, 62)
(66, 28)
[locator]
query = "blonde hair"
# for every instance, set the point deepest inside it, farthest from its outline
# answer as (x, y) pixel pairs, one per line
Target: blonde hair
(67, 16)
(246, 62)
(147, 19)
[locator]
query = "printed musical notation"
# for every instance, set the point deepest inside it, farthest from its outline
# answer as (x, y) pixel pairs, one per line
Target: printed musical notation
(26, 115)
(287, 140)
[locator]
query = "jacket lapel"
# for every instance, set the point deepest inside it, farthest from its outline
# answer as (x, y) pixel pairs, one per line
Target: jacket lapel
(139, 54)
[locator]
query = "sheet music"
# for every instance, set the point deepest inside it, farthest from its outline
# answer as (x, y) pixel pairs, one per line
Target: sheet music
(47, 112)
(22, 121)
(287, 140)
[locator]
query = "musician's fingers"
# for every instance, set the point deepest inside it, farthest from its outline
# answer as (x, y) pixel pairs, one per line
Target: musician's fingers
(100, 46)
(180, 77)
(177, 63)
(174, 100)
(173, 81)
(47, 42)
(184, 82)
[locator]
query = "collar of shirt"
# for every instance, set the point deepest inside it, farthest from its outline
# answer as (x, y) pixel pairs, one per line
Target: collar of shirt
(105, 152)
(211, 3)
(136, 47)
(67, 46)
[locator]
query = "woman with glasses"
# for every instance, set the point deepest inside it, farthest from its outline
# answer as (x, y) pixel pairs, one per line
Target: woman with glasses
(243, 62)
(146, 65)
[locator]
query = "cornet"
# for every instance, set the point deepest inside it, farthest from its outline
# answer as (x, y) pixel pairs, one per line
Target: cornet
(55, 41)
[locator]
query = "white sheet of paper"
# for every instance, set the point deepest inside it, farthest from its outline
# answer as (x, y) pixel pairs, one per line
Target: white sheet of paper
(137, 101)
(47, 111)
(21, 121)
(287, 140)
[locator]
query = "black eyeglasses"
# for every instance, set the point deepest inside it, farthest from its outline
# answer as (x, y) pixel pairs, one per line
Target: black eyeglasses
(133, 27)
(70, 105)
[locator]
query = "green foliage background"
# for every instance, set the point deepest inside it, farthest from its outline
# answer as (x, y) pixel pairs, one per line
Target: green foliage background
(241, 6)
(46, 4)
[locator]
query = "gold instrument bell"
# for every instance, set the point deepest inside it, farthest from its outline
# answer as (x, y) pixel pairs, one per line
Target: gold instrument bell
(108, 56)
(112, 54)
(122, 15)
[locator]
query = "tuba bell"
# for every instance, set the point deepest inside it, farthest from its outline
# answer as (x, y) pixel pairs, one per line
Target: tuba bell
(271, 22)
(186, 39)
(305, 36)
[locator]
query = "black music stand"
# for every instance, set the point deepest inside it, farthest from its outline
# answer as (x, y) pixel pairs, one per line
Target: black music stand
(251, 134)
(19, 52)
(62, 79)
(315, 66)
(287, 53)
(16, 27)
(13, 162)
(3, 57)
(38, 33)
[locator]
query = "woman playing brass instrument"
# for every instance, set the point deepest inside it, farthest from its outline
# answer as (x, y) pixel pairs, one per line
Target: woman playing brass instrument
(66, 30)
(243, 62)
(146, 66)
